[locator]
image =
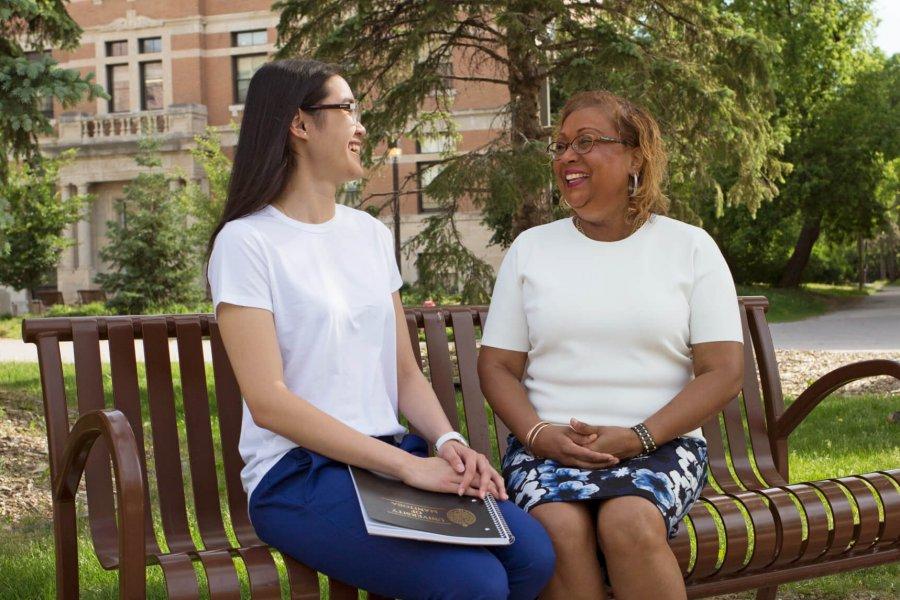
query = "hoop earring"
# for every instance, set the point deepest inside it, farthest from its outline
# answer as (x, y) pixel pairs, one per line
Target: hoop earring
(564, 202)
(632, 185)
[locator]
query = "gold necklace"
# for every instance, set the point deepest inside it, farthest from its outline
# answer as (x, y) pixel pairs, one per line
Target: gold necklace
(576, 220)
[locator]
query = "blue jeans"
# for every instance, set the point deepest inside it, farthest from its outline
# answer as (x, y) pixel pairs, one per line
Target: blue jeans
(306, 507)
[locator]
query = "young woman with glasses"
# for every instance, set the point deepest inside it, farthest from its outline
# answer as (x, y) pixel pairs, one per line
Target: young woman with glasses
(305, 293)
(612, 336)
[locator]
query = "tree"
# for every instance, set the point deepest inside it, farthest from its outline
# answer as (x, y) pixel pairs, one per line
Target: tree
(24, 80)
(840, 163)
(207, 203)
(36, 217)
(693, 63)
(152, 260)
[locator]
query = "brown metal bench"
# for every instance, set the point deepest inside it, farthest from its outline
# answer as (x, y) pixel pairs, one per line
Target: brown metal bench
(207, 522)
(50, 297)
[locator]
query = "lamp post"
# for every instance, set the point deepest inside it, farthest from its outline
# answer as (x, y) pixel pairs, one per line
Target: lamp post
(394, 152)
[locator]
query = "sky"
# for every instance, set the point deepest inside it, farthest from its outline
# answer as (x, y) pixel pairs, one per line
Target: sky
(887, 36)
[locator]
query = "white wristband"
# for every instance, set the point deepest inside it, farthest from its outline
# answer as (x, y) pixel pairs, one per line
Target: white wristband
(450, 435)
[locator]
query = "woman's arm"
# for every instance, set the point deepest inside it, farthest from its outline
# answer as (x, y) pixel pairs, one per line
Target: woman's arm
(418, 403)
(252, 346)
(500, 372)
(718, 376)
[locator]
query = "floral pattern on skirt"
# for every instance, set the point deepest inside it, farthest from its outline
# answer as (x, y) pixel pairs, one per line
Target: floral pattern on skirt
(671, 477)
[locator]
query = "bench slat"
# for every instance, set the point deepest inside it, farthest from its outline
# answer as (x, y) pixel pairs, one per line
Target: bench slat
(181, 580)
(707, 538)
(98, 477)
(204, 481)
(499, 426)
(841, 515)
(169, 476)
(737, 537)
(717, 465)
(127, 397)
(889, 531)
(473, 400)
(221, 575)
(229, 407)
(262, 572)
(816, 521)
(866, 532)
(304, 581)
(439, 366)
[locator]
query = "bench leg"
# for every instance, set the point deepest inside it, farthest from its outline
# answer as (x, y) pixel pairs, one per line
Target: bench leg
(767, 593)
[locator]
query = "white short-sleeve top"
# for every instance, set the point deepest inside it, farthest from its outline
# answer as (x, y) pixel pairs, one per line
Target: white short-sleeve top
(329, 289)
(608, 326)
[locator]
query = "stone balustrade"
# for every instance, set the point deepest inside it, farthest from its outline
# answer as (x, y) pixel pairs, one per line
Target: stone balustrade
(177, 120)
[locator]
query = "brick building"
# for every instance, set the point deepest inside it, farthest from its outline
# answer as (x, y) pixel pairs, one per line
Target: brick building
(177, 67)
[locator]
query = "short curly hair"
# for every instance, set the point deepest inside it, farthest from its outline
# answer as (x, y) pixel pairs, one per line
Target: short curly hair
(635, 125)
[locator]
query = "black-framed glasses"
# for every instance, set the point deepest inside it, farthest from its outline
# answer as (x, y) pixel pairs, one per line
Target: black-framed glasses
(351, 107)
(582, 144)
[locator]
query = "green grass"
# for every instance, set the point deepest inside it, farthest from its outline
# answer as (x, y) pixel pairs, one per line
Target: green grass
(809, 300)
(845, 435)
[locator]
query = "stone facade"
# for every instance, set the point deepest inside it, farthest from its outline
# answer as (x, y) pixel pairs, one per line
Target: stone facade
(174, 68)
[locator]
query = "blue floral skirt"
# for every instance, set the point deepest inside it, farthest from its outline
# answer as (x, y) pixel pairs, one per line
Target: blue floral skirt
(671, 477)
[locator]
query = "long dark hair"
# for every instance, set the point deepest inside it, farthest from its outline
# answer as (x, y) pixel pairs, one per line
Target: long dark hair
(263, 160)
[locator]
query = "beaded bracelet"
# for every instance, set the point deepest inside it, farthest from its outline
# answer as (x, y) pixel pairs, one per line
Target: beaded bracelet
(646, 439)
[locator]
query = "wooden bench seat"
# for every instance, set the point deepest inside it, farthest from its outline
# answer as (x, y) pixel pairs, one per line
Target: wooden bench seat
(180, 500)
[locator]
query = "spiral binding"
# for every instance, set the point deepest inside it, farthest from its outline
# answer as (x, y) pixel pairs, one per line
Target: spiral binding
(497, 518)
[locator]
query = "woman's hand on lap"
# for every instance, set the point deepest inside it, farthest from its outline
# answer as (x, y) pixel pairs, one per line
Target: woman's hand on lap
(621, 442)
(475, 468)
(563, 445)
(436, 475)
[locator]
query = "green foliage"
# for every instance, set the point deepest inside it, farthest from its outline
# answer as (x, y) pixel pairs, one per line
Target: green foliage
(152, 259)
(31, 232)
(38, 24)
(206, 205)
(693, 63)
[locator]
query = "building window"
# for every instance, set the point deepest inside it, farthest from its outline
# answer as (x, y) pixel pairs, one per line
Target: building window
(117, 86)
(441, 143)
(45, 104)
(445, 70)
(244, 67)
(426, 172)
(151, 86)
(257, 37)
(150, 45)
(117, 48)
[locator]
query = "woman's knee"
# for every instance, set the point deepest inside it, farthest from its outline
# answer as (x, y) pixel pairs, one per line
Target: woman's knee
(569, 525)
(630, 522)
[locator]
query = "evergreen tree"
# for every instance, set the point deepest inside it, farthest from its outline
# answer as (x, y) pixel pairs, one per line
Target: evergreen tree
(24, 81)
(693, 63)
(152, 257)
(32, 232)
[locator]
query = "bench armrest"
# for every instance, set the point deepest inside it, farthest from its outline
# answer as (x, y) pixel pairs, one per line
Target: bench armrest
(828, 383)
(114, 428)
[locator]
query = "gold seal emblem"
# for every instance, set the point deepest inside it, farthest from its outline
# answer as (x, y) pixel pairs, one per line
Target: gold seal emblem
(461, 516)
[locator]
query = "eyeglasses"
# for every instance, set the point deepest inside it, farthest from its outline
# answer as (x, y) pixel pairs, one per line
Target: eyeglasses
(582, 145)
(351, 107)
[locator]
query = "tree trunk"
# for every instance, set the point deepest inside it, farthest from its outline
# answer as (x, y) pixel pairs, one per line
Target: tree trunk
(526, 76)
(793, 270)
(861, 273)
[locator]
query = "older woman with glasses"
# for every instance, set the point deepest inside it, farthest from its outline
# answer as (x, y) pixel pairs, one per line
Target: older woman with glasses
(612, 336)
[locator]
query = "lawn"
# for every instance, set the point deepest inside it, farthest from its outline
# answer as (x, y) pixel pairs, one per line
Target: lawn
(845, 435)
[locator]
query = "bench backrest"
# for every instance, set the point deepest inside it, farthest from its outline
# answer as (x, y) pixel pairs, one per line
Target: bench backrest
(204, 452)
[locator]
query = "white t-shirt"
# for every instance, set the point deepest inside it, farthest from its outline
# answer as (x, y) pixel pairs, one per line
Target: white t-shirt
(608, 326)
(329, 288)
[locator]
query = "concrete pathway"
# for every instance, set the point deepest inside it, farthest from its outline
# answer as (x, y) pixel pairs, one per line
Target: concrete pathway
(17, 350)
(872, 323)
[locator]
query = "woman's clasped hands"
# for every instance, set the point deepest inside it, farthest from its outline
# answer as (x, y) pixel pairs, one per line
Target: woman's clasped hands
(586, 446)
(456, 469)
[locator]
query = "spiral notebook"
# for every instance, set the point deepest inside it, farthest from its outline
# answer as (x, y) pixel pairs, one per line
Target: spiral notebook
(394, 509)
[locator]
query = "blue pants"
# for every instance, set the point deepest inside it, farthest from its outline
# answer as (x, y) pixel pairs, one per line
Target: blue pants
(306, 507)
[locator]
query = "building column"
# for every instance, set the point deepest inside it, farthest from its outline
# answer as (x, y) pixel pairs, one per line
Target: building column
(67, 259)
(84, 233)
